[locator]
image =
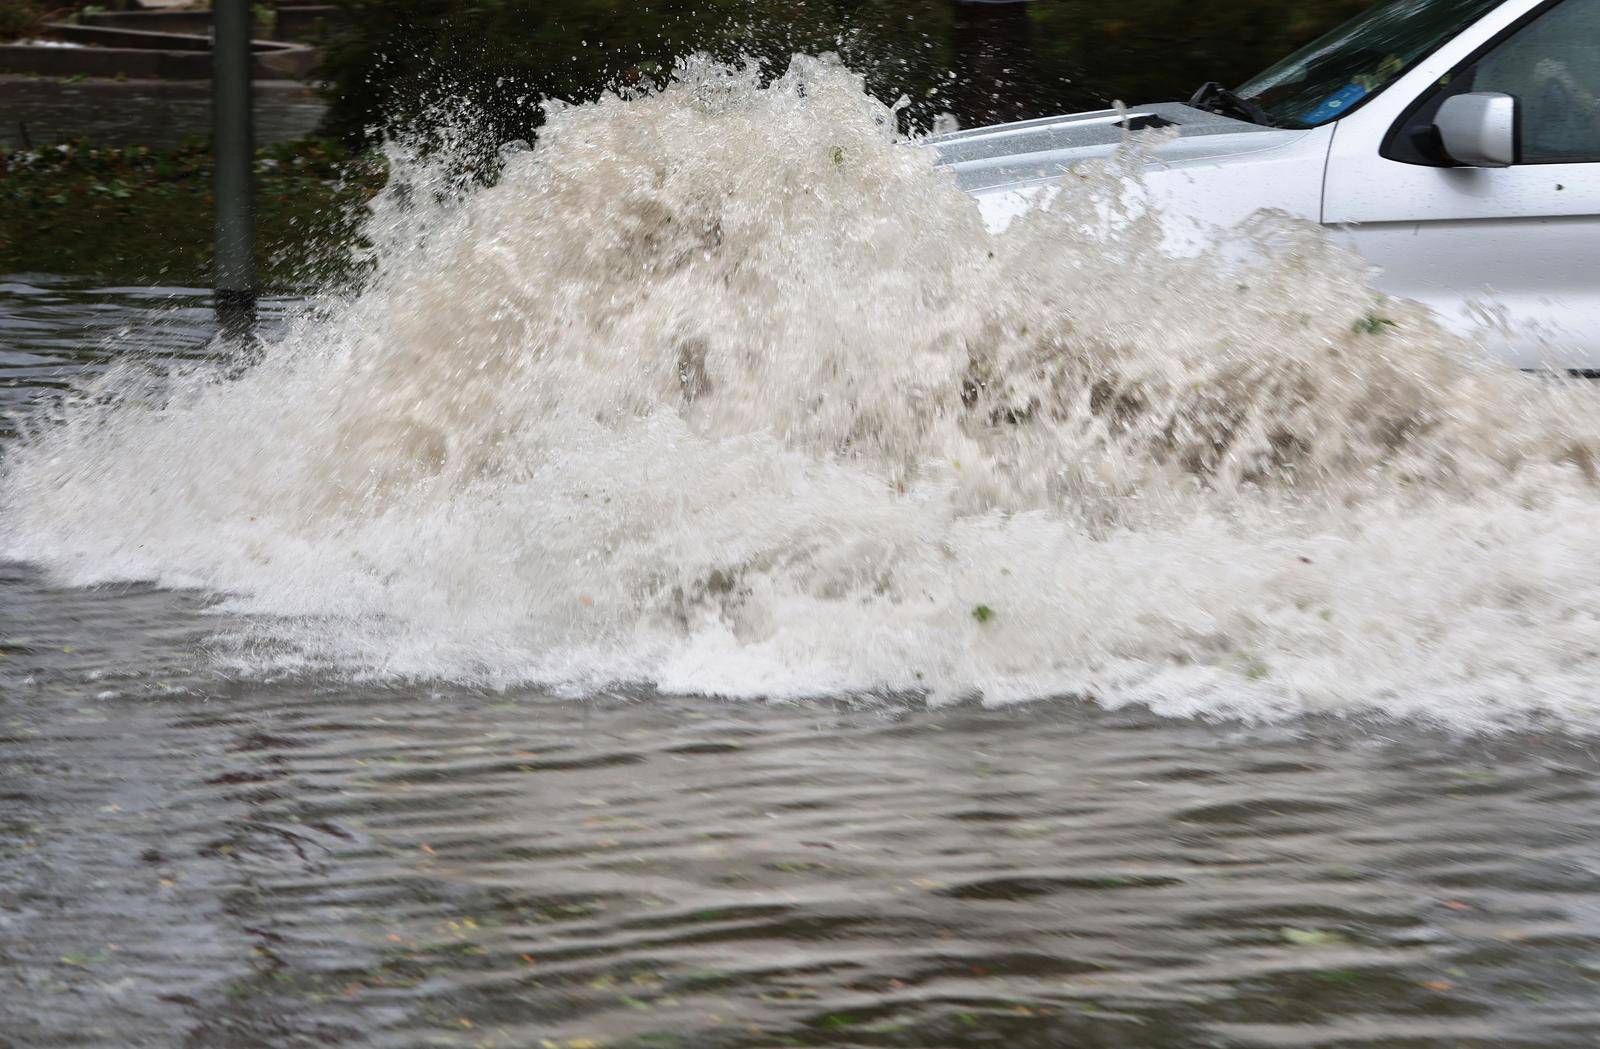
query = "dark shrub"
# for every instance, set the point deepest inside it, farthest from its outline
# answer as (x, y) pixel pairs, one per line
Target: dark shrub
(984, 62)
(19, 18)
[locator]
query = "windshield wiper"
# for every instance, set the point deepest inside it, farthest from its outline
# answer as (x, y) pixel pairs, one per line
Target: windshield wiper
(1214, 98)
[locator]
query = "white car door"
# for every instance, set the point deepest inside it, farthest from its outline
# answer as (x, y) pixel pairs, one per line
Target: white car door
(1512, 253)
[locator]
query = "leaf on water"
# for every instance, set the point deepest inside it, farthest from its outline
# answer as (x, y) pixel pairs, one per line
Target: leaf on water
(982, 613)
(1312, 937)
(1339, 976)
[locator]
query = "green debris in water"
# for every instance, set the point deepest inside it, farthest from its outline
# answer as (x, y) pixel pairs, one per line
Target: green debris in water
(1372, 324)
(1339, 976)
(1312, 937)
(982, 613)
(1253, 668)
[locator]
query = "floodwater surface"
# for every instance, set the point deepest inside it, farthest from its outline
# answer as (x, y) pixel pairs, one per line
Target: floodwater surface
(190, 857)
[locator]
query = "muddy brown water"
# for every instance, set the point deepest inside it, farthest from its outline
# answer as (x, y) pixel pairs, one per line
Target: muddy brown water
(189, 857)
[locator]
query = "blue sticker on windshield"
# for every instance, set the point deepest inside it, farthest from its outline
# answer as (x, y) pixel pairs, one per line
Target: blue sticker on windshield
(1335, 104)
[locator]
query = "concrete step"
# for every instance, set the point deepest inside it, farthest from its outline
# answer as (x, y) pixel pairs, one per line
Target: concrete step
(300, 23)
(138, 54)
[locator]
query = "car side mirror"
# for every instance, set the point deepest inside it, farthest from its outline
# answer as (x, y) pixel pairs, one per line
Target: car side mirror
(1479, 129)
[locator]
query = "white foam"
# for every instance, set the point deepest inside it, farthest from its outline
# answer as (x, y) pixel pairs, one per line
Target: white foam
(729, 390)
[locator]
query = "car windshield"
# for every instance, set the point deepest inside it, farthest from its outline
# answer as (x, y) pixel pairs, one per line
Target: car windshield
(1339, 71)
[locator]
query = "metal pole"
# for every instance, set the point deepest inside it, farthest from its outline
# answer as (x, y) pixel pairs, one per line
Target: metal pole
(233, 139)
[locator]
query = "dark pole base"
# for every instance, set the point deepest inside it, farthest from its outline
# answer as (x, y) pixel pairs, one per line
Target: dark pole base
(236, 323)
(236, 314)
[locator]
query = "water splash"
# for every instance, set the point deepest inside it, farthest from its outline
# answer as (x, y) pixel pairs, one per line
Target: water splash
(728, 389)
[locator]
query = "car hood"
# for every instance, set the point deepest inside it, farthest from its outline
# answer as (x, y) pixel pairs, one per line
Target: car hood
(1034, 151)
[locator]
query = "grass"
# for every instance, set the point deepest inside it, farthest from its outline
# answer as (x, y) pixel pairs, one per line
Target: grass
(144, 216)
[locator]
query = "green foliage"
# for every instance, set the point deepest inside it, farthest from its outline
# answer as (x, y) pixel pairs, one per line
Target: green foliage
(393, 58)
(982, 613)
(1151, 50)
(19, 18)
(142, 215)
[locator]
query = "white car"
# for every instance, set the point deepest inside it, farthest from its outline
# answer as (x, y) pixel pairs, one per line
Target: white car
(1455, 143)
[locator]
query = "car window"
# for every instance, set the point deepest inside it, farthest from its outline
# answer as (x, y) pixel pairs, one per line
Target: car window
(1552, 68)
(1550, 63)
(1337, 73)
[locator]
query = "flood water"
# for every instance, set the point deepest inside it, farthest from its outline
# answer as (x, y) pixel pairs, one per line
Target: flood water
(194, 856)
(708, 589)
